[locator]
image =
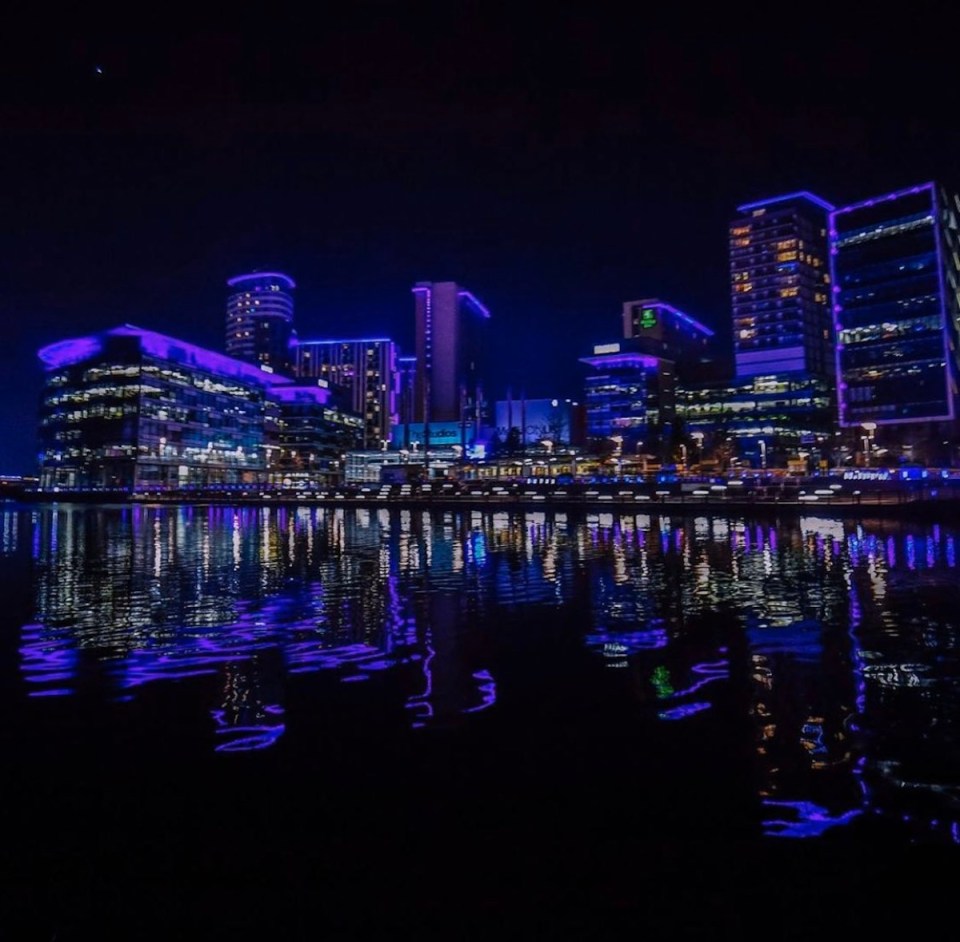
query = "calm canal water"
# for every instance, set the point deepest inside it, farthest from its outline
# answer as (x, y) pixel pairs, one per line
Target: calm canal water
(317, 699)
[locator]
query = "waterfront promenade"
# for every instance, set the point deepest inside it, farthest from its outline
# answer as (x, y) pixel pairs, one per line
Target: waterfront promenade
(827, 495)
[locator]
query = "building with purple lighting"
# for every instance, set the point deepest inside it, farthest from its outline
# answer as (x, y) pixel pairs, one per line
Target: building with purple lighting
(630, 397)
(406, 385)
(259, 321)
(366, 369)
(780, 287)
(451, 338)
(129, 410)
(896, 273)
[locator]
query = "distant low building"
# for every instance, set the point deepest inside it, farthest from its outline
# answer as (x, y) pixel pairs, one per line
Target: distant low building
(534, 421)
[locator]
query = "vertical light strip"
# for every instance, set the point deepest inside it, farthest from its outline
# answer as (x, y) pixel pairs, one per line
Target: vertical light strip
(835, 309)
(943, 303)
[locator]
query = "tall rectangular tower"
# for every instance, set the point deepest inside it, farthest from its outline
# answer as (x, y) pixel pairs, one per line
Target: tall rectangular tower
(366, 369)
(451, 328)
(896, 275)
(780, 287)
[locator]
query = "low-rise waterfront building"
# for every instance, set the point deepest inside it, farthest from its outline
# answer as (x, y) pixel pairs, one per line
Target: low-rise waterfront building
(132, 410)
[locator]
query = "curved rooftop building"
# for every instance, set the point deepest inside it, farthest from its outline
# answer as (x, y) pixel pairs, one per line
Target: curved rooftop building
(259, 322)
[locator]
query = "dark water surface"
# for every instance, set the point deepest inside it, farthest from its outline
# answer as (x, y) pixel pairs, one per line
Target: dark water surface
(336, 719)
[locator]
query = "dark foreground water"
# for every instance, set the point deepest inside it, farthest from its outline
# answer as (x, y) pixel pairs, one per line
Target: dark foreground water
(334, 721)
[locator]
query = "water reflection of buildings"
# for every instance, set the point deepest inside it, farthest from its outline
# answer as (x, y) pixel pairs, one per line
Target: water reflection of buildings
(841, 638)
(252, 596)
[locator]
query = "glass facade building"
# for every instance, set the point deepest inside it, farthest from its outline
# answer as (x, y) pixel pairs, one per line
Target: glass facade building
(313, 436)
(133, 410)
(765, 419)
(630, 397)
(780, 287)
(366, 370)
(259, 321)
(896, 274)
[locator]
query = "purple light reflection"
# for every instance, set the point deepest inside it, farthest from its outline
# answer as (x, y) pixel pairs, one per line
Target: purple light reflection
(488, 691)
(257, 735)
(682, 712)
(812, 821)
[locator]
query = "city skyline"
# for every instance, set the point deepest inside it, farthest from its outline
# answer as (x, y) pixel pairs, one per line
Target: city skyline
(557, 181)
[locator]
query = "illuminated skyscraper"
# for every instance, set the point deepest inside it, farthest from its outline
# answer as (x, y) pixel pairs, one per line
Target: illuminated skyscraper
(259, 323)
(780, 287)
(896, 275)
(451, 327)
(366, 369)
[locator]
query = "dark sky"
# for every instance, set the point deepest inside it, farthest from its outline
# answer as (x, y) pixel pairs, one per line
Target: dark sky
(556, 167)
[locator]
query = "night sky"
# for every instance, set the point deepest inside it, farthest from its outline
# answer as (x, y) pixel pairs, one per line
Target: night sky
(554, 167)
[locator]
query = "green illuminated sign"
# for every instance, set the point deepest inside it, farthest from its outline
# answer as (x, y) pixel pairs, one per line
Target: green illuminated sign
(648, 317)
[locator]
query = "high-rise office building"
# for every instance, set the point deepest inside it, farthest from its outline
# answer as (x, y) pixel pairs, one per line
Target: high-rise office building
(780, 287)
(662, 330)
(896, 275)
(366, 369)
(451, 328)
(259, 322)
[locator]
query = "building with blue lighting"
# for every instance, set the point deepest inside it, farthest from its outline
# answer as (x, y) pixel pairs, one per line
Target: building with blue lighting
(366, 370)
(131, 410)
(534, 421)
(259, 321)
(451, 327)
(630, 397)
(896, 275)
(780, 287)
(313, 435)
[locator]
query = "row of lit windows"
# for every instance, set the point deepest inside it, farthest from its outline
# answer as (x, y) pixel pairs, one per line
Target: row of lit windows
(890, 329)
(885, 229)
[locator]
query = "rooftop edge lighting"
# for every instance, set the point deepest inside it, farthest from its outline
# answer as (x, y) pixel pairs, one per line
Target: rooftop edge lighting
(259, 276)
(306, 343)
(896, 194)
(470, 297)
(680, 315)
(622, 359)
(67, 352)
(800, 194)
